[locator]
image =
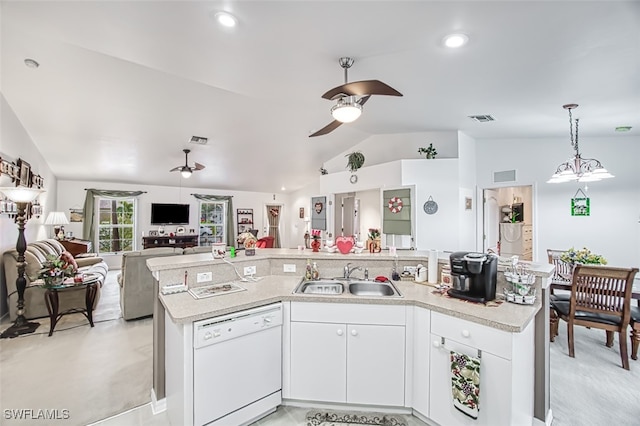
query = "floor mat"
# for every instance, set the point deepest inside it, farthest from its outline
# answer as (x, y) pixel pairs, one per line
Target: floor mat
(350, 418)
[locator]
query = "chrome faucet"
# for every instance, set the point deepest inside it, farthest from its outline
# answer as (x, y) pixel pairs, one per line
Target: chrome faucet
(348, 270)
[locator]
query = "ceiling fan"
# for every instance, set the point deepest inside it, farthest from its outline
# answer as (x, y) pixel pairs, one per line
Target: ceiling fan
(186, 170)
(349, 107)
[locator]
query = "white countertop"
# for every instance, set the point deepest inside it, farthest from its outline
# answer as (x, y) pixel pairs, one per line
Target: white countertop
(184, 308)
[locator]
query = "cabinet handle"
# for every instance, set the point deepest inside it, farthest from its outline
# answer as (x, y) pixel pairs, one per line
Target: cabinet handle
(466, 333)
(354, 332)
(339, 332)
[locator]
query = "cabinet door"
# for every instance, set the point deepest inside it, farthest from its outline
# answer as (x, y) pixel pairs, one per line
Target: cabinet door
(375, 364)
(318, 363)
(495, 387)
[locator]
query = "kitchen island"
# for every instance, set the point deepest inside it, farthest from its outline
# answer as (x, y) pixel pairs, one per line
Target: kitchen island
(506, 335)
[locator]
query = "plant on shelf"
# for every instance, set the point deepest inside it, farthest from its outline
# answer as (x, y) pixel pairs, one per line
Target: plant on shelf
(429, 152)
(374, 233)
(583, 256)
(55, 269)
(355, 161)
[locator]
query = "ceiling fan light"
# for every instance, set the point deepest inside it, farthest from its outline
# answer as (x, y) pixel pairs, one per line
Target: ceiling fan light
(226, 19)
(455, 40)
(186, 173)
(346, 112)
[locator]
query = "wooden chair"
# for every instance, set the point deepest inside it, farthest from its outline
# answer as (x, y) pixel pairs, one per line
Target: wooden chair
(600, 298)
(559, 280)
(635, 330)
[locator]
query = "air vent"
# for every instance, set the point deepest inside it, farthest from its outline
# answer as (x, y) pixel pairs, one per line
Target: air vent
(198, 140)
(504, 176)
(482, 118)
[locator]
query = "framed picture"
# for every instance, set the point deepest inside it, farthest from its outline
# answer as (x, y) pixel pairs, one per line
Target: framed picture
(24, 173)
(4, 167)
(153, 233)
(76, 215)
(180, 230)
(468, 203)
(192, 231)
(301, 212)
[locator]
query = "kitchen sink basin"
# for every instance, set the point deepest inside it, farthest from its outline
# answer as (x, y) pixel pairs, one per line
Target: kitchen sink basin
(325, 287)
(373, 288)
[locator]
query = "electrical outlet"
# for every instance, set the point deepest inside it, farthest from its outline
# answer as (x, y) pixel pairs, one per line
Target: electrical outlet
(204, 277)
(289, 267)
(250, 270)
(410, 269)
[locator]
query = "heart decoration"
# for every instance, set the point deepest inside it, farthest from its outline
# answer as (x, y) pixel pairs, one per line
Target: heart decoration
(345, 244)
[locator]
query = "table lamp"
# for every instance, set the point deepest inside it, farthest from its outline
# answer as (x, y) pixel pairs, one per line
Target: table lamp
(57, 219)
(22, 196)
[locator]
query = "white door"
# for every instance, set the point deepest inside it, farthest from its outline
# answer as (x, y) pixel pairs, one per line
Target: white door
(318, 361)
(491, 220)
(495, 397)
(375, 364)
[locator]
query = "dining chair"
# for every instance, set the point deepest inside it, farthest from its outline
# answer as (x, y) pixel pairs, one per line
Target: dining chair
(635, 330)
(600, 298)
(560, 280)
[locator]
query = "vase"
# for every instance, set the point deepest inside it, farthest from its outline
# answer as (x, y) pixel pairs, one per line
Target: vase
(375, 245)
(315, 245)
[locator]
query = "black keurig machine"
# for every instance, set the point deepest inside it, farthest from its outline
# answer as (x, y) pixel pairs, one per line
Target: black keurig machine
(473, 276)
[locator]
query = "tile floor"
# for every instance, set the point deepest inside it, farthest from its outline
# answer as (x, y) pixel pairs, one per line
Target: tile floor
(284, 416)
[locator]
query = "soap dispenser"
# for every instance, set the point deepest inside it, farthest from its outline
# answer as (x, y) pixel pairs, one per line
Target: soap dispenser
(315, 273)
(308, 273)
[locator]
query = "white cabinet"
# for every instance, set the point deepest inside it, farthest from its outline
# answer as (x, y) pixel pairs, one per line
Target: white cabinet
(506, 372)
(516, 239)
(421, 357)
(318, 362)
(348, 353)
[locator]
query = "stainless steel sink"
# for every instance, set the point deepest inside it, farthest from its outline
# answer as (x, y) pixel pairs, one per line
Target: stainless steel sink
(373, 288)
(325, 287)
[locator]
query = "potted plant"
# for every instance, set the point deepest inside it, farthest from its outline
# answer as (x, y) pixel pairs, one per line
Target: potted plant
(584, 256)
(374, 242)
(429, 152)
(55, 269)
(355, 160)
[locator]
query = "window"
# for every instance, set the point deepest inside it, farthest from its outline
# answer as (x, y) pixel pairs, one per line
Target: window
(116, 227)
(212, 223)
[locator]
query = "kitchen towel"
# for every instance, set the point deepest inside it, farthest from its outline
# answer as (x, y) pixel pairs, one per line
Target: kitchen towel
(465, 383)
(432, 268)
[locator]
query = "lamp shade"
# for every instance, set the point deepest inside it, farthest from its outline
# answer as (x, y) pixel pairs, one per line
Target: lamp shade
(346, 112)
(56, 218)
(21, 194)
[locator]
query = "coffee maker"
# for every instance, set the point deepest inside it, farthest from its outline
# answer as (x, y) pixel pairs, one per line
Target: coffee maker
(473, 276)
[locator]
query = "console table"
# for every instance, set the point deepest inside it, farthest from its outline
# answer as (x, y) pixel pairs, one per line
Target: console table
(76, 246)
(182, 241)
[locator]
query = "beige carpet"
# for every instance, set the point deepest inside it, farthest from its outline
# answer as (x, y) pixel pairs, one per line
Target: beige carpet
(80, 374)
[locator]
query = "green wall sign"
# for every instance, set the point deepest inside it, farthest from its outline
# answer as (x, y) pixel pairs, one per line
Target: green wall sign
(580, 207)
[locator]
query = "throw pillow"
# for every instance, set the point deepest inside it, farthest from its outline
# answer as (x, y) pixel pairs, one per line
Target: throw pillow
(68, 259)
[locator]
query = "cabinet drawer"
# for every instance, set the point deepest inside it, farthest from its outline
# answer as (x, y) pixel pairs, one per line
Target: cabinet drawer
(348, 313)
(527, 231)
(497, 342)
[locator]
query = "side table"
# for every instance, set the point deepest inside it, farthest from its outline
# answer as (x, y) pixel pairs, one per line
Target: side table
(89, 284)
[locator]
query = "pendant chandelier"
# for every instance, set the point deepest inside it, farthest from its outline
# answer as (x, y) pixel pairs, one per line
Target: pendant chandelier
(578, 168)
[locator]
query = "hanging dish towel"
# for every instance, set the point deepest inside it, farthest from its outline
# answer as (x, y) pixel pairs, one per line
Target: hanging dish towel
(465, 383)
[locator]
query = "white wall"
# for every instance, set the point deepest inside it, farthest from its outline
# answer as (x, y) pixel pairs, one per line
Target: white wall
(467, 224)
(612, 229)
(296, 226)
(378, 149)
(16, 143)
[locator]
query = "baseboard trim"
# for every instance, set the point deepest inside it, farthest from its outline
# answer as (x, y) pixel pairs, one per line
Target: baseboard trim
(157, 406)
(548, 421)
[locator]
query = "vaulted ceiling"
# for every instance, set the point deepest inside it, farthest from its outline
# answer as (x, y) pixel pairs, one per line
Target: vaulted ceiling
(122, 86)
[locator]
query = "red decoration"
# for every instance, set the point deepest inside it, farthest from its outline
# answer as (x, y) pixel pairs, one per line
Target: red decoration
(395, 204)
(345, 244)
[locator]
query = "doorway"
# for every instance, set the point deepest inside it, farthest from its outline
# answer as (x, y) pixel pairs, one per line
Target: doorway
(508, 221)
(347, 217)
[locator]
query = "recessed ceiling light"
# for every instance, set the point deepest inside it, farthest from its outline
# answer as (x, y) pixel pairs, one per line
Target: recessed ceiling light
(226, 19)
(455, 40)
(623, 128)
(31, 63)
(283, 189)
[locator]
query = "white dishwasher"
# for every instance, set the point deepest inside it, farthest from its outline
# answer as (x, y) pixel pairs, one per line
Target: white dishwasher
(237, 365)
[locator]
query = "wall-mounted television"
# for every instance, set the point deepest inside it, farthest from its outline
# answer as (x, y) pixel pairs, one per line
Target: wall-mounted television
(169, 214)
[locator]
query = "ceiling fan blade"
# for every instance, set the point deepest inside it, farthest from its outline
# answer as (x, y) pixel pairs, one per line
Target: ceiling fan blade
(198, 166)
(175, 169)
(361, 88)
(363, 100)
(327, 129)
